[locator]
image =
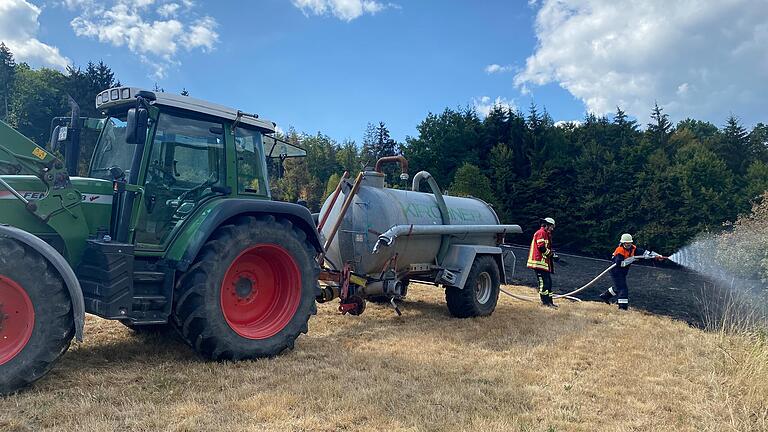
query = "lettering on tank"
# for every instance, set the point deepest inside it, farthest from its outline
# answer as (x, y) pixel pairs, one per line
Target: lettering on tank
(418, 210)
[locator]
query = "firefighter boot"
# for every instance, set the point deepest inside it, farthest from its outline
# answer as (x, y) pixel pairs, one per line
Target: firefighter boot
(606, 297)
(543, 299)
(623, 304)
(548, 302)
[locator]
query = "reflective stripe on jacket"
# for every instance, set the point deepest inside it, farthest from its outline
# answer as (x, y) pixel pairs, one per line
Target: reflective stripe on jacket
(537, 259)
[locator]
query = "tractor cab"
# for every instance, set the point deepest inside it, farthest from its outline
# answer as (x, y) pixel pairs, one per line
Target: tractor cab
(181, 152)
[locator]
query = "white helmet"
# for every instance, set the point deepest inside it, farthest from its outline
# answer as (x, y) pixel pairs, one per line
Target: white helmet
(626, 238)
(549, 220)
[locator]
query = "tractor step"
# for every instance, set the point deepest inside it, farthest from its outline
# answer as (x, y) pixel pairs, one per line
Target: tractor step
(117, 285)
(106, 277)
(148, 276)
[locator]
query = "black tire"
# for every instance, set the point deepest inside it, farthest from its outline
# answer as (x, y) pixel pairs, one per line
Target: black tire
(198, 311)
(53, 323)
(474, 301)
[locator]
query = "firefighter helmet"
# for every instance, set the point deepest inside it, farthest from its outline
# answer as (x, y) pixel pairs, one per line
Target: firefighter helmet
(626, 238)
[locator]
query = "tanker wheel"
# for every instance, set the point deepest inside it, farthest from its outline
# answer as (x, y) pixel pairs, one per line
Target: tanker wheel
(480, 293)
(250, 291)
(36, 323)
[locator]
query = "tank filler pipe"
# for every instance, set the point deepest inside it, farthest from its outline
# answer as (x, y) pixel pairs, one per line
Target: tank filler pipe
(387, 159)
(444, 215)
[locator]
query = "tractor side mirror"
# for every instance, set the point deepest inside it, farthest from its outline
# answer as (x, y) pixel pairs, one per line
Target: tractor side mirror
(136, 128)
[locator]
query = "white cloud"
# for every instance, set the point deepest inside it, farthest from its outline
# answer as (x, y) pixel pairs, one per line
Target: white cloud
(201, 34)
(168, 9)
(695, 58)
(18, 30)
(564, 123)
(346, 10)
(495, 68)
(484, 104)
(155, 40)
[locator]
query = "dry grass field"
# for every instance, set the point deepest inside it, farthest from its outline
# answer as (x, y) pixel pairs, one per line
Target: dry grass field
(584, 367)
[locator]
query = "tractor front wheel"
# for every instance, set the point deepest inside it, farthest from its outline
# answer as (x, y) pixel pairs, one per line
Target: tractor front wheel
(250, 292)
(36, 324)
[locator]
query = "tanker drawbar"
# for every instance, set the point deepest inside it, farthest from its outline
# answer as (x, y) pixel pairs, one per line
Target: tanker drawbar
(378, 239)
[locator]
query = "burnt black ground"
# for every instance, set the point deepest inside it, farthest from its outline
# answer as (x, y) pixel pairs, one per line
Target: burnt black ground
(660, 289)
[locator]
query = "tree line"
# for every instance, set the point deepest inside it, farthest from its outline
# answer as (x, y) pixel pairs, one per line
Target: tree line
(598, 178)
(664, 183)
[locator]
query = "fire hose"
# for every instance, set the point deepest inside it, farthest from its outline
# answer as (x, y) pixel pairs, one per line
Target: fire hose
(569, 295)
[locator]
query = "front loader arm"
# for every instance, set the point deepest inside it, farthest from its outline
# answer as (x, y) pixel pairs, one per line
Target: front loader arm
(19, 154)
(60, 206)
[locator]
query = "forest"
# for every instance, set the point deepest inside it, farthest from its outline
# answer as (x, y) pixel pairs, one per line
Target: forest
(664, 182)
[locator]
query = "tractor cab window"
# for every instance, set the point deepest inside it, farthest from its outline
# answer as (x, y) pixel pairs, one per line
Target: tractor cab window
(186, 162)
(112, 150)
(251, 165)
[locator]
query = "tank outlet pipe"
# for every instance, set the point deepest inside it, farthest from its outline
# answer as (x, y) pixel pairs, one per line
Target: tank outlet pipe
(396, 231)
(444, 215)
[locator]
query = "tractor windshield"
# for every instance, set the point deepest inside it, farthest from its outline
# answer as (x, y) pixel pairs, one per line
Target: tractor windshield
(112, 150)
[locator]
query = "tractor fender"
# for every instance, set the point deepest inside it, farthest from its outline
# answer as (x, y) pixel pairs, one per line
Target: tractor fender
(61, 265)
(231, 208)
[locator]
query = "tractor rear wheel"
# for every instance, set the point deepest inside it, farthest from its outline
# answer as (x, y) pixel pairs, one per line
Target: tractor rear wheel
(480, 293)
(36, 323)
(250, 292)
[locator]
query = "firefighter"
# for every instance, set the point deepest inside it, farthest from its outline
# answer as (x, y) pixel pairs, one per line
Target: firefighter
(624, 255)
(540, 260)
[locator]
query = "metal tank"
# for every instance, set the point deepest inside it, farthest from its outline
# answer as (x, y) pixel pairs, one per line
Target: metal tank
(367, 231)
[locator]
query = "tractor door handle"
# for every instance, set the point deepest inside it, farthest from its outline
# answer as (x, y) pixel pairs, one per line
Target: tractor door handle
(151, 201)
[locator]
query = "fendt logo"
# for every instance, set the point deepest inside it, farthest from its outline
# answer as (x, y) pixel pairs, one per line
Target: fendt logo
(34, 196)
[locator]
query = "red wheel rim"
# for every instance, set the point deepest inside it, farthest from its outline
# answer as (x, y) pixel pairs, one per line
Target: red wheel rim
(17, 319)
(261, 291)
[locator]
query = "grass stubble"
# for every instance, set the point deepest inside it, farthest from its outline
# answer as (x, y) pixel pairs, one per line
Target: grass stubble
(584, 367)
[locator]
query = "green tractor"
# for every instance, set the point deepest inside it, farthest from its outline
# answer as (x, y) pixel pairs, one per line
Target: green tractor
(174, 225)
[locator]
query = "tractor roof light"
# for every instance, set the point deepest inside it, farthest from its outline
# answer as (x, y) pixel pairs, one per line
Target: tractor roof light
(115, 96)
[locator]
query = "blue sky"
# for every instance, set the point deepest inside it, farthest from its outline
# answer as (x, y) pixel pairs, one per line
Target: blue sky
(335, 65)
